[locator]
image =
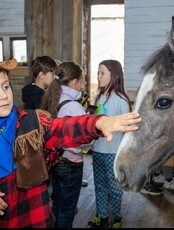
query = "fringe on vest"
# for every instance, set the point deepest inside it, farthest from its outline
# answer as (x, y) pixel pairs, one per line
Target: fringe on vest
(29, 157)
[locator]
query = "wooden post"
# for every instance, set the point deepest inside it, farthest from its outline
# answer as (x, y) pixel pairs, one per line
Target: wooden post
(54, 28)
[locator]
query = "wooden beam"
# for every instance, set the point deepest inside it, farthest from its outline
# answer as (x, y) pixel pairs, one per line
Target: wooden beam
(100, 2)
(77, 30)
(20, 71)
(47, 28)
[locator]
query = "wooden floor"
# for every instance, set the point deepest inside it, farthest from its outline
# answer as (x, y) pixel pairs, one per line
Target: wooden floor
(138, 210)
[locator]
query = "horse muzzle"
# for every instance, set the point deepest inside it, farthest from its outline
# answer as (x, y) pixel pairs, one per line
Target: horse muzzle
(127, 184)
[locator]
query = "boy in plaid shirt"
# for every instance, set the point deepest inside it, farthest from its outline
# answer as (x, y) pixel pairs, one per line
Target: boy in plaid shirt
(24, 198)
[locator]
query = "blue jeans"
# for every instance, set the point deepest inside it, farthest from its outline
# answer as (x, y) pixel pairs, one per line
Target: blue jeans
(66, 182)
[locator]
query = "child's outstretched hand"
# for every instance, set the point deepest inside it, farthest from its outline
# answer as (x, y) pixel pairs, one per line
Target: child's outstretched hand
(3, 205)
(120, 123)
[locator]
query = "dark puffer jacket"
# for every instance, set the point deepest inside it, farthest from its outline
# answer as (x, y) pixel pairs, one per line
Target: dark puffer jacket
(32, 96)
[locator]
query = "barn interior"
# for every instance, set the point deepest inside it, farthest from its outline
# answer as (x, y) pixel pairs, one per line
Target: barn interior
(63, 29)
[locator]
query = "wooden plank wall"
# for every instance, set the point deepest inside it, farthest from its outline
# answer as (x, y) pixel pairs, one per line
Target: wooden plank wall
(19, 78)
(147, 24)
(11, 17)
(39, 27)
(54, 28)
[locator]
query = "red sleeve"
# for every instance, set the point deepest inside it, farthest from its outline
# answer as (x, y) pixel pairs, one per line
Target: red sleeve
(72, 131)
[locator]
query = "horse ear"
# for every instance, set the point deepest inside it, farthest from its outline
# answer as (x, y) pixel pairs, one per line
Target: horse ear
(172, 21)
(171, 36)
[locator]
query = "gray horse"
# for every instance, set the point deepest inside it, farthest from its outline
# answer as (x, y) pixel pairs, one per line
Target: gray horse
(141, 152)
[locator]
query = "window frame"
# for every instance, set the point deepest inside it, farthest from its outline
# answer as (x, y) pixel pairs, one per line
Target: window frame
(17, 38)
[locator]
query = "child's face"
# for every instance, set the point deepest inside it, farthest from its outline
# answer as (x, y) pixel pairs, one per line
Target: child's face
(77, 84)
(104, 76)
(6, 95)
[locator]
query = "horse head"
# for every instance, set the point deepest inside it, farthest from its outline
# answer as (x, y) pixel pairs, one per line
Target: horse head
(141, 152)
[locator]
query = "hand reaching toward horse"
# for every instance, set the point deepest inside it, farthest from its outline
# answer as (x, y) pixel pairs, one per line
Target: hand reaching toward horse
(3, 205)
(120, 123)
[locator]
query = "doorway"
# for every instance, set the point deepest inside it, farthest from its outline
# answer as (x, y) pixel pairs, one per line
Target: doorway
(106, 39)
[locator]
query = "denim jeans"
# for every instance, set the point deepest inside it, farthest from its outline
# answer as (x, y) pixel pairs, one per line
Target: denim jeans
(66, 182)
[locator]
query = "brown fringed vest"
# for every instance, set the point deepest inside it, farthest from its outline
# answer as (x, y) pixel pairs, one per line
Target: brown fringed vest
(31, 169)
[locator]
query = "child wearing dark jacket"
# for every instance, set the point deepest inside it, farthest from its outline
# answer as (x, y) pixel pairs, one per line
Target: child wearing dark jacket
(42, 70)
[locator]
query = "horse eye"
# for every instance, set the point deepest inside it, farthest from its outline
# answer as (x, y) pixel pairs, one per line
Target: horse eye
(163, 103)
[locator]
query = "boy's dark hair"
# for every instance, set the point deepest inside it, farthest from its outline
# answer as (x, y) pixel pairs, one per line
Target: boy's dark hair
(43, 63)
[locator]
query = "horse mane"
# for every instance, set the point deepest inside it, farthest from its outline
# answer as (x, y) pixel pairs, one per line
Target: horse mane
(163, 57)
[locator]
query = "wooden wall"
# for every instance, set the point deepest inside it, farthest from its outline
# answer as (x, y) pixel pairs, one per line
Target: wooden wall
(19, 78)
(11, 17)
(61, 29)
(58, 28)
(147, 24)
(54, 28)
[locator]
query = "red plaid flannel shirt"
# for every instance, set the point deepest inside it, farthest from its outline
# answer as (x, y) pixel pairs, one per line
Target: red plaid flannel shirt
(71, 131)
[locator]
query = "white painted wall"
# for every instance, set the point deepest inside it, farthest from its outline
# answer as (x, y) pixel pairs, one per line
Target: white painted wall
(11, 17)
(147, 24)
(107, 36)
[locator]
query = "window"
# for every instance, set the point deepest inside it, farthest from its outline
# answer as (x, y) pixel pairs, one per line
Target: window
(19, 49)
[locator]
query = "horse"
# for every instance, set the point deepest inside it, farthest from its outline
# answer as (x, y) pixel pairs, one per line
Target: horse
(142, 152)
